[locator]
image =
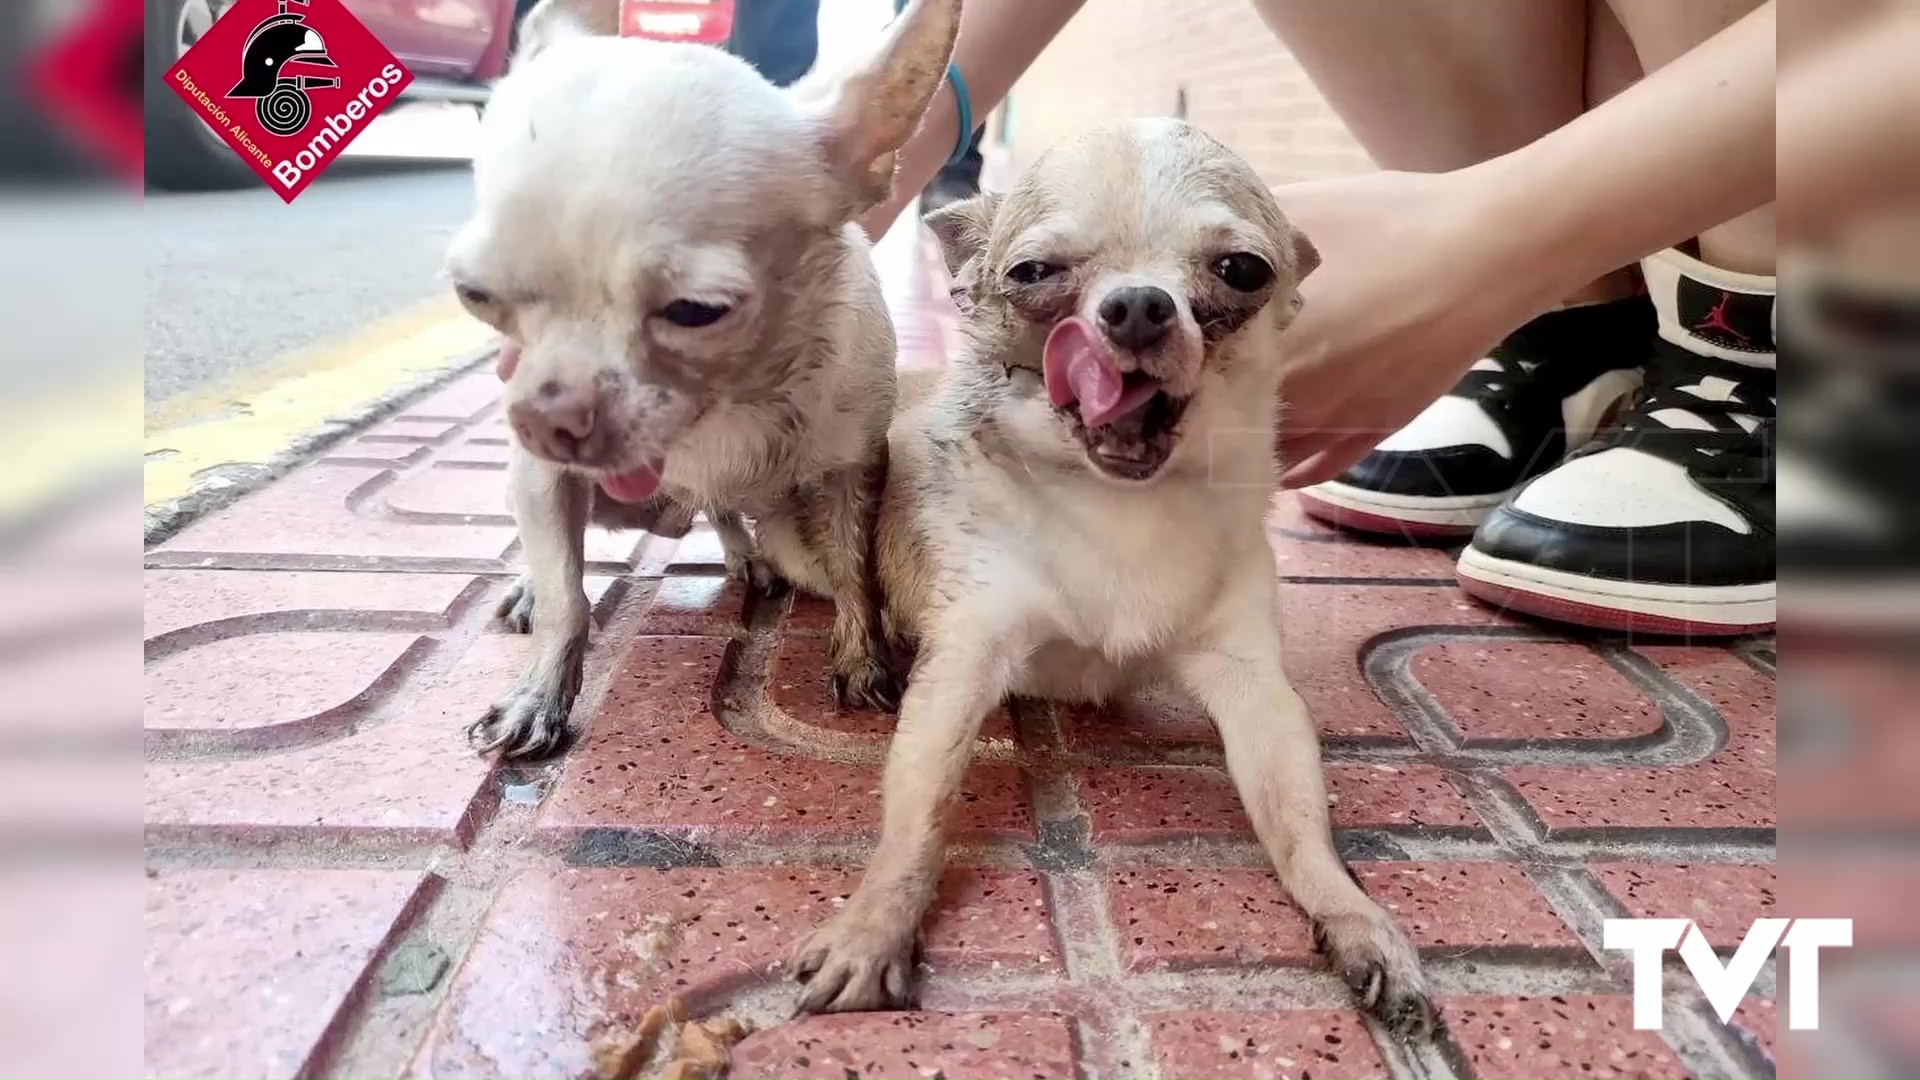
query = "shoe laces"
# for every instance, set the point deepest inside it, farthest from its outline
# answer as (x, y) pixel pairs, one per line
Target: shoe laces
(1715, 417)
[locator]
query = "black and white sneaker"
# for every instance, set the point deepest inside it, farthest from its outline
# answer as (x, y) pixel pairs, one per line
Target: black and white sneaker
(1545, 390)
(1665, 524)
(1849, 502)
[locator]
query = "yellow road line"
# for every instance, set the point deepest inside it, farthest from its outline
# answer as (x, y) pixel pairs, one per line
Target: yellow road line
(77, 434)
(261, 417)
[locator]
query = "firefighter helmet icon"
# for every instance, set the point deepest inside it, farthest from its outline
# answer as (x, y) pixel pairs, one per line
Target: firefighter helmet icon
(278, 42)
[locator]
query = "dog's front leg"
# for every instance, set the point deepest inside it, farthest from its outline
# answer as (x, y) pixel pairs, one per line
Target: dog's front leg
(864, 671)
(550, 507)
(1273, 754)
(744, 561)
(864, 957)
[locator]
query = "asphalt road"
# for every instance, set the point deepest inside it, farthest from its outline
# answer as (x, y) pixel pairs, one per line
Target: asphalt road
(238, 279)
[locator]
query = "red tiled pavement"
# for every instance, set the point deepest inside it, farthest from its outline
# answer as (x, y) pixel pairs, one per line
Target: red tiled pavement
(251, 972)
(1565, 1035)
(1292, 1045)
(1178, 918)
(953, 1045)
(1151, 805)
(1533, 691)
(633, 937)
(1722, 901)
(315, 652)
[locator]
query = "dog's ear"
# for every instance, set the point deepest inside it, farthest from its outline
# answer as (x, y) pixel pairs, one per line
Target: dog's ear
(556, 20)
(870, 110)
(963, 229)
(1306, 257)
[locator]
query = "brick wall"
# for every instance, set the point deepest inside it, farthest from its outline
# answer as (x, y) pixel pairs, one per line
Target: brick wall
(1121, 58)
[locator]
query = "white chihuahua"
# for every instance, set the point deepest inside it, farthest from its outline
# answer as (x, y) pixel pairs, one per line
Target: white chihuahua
(669, 239)
(1079, 509)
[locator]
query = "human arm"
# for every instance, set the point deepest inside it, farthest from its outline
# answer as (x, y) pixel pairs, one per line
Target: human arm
(1423, 273)
(999, 40)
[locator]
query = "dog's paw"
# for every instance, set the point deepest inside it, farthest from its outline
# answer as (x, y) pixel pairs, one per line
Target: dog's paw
(867, 683)
(531, 722)
(857, 964)
(516, 608)
(758, 573)
(1368, 951)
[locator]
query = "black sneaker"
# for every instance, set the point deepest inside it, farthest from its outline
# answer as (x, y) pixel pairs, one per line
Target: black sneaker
(1849, 508)
(1545, 390)
(1665, 524)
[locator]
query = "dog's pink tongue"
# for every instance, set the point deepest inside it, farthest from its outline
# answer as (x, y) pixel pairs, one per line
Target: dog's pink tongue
(633, 487)
(1080, 367)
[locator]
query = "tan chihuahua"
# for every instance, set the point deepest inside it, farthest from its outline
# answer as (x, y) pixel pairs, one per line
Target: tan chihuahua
(669, 238)
(1079, 509)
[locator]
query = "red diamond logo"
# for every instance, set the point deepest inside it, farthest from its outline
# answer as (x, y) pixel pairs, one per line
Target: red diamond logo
(288, 84)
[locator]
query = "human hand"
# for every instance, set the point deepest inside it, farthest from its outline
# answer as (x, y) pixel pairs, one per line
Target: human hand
(1418, 279)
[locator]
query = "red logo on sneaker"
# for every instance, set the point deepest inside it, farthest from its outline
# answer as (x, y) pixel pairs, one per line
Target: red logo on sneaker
(288, 84)
(1717, 320)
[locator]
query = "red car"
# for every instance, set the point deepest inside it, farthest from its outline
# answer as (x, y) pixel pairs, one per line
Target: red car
(454, 48)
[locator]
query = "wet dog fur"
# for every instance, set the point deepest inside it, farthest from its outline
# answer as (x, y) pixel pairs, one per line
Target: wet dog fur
(669, 238)
(1025, 555)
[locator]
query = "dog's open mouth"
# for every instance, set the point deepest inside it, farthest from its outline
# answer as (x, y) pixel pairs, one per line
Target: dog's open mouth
(1127, 420)
(1137, 445)
(635, 485)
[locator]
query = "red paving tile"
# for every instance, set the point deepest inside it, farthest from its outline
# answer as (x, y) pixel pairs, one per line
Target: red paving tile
(404, 775)
(252, 972)
(1157, 804)
(800, 684)
(1532, 691)
(1173, 918)
(912, 1045)
(1304, 547)
(1571, 1036)
(180, 599)
(1759, 1020)
(300, 681)
(1292, 1045)
(696, 606)
(1573, 801)
(1722, 900)
(1329, 630)
(328, 514)
(657, 758)
(569, 953)
(316, 651)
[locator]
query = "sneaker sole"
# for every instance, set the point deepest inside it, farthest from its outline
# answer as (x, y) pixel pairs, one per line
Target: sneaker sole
(1398, 515)
(1685, 610)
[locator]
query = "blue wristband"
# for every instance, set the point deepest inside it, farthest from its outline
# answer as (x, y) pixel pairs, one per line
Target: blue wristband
(963, 104)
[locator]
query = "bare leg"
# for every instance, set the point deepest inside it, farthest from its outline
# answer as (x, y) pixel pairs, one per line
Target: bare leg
(1273, 754)
(1612, 65)
(1662, 31)
(863, 958)
(1437, 85)
(550, 507)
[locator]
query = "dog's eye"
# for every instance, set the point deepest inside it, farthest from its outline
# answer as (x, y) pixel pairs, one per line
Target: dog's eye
(1243, 272)
(1031, 272)
(474, 297)
(693, 314)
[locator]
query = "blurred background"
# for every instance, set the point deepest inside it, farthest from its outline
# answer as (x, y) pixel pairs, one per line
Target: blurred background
(120, 299)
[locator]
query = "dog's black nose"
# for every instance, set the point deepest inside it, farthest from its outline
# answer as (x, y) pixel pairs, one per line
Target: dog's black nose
(1138, 317)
